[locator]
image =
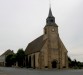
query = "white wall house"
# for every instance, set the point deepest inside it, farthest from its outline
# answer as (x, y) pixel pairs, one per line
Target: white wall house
(4, 55)
(2, 60)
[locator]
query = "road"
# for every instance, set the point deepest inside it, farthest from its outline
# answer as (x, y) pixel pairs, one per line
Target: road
(25, 71)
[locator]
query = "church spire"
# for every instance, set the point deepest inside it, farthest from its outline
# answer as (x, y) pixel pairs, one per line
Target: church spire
(50, 19)
(50, 12)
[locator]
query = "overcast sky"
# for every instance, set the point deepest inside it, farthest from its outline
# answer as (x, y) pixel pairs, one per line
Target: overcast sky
(21, 21)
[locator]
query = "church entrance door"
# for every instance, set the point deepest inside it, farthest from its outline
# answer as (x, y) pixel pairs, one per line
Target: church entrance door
(54, 64)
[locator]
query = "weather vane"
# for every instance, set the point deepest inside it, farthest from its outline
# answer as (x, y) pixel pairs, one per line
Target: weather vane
(49, 3)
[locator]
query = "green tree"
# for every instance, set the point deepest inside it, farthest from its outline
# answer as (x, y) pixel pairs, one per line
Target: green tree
(20, 57)
(69, 62)
(13, 59)
(10, 60)
(74, 64)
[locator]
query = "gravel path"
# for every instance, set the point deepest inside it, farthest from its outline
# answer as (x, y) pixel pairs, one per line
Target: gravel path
(24, 71)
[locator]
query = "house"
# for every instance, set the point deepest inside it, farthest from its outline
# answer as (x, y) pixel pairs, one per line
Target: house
(4, 55)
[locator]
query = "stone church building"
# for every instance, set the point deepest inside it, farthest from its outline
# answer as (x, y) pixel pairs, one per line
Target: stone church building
(47, 51)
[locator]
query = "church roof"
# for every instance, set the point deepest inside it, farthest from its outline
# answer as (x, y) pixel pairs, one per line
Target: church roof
(35, 46)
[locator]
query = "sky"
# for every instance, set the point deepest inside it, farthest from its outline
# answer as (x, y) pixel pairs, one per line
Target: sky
(22, 21)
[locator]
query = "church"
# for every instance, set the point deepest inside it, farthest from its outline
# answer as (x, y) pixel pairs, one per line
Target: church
(47, 51)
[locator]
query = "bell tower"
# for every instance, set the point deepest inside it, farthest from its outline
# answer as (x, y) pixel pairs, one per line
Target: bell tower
(50, 19)
(51, 33)
(50, 23)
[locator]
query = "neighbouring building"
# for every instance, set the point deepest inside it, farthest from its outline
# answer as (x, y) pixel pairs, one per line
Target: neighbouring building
(4, 55)
(47, 51)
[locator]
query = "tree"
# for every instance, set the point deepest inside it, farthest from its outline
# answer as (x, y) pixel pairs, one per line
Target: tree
(10, 60)
(74, 64)
(20, 57)
(69, 62)
(13, 59)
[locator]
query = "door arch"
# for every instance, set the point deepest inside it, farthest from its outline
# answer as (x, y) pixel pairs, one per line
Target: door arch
(54, 64)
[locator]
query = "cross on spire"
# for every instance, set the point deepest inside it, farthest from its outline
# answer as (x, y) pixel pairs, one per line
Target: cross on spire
(50, 11)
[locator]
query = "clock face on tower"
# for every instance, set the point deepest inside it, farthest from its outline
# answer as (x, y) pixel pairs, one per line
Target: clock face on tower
(53, 29)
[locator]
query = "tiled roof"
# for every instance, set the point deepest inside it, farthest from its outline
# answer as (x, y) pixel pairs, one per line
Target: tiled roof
(8, 52)
(35, 46)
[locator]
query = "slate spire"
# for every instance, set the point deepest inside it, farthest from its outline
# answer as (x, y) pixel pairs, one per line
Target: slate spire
(50, 19)
(50, 13)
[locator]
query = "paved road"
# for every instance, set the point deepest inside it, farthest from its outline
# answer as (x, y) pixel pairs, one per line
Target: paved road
(24, 71)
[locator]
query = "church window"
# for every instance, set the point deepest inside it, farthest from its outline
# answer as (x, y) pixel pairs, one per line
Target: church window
(51, 20)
